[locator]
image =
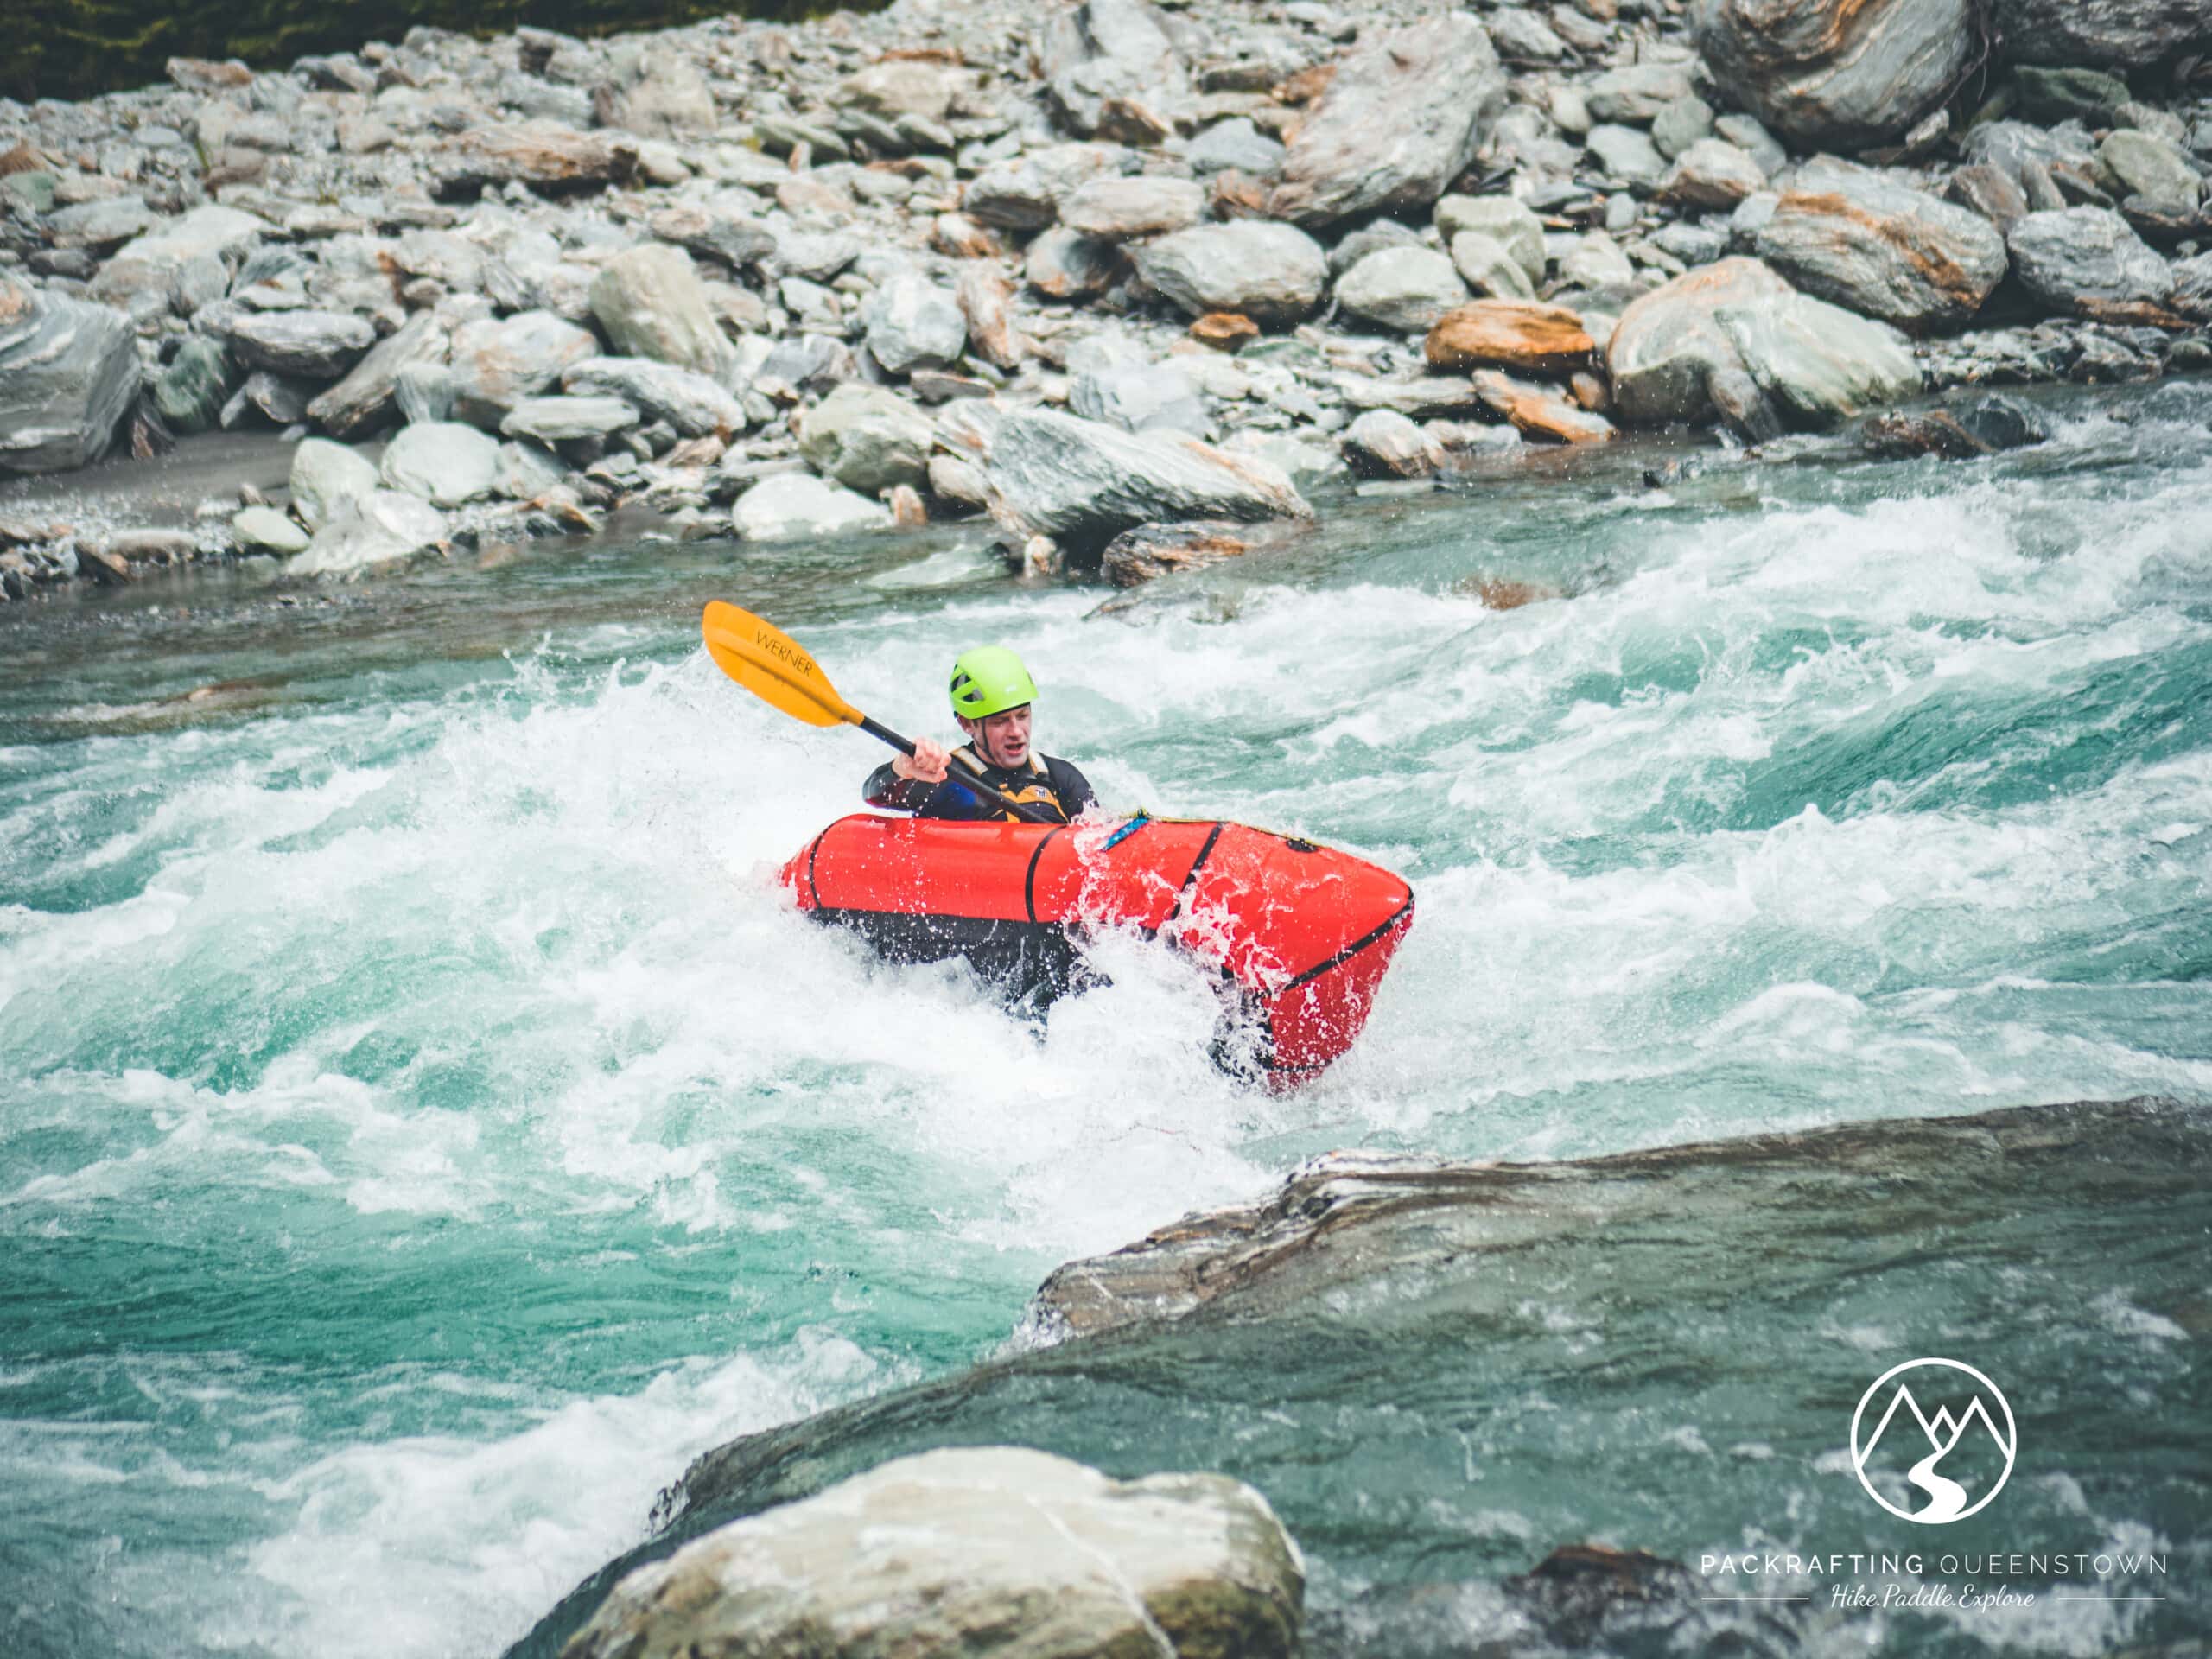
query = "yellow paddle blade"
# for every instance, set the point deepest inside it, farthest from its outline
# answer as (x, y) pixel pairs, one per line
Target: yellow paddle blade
(773, 666)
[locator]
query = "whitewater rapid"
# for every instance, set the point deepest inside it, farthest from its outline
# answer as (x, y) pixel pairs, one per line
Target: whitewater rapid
(427, 1126)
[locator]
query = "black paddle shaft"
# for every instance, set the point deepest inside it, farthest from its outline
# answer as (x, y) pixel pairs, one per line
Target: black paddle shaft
(968, 777)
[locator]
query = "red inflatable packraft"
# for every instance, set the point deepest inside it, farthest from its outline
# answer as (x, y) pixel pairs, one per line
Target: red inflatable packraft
(1303, 931)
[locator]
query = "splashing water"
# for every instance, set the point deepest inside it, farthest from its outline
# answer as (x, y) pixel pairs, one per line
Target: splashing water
(426, 1126)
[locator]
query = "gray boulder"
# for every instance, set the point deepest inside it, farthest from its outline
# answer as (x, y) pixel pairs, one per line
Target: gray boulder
(666, 97)
(1627, 154)
(1850, 235)
(2086, 259)
(1121, 209)
(719, 229)
(267, 530)
(1712, 172)
(912, 323)
(100, 226)
(974, 1550)
(1141, 397)
(1105, 60)
(565, 420)
(1841, 73)
(1383, 443)
(1403, 116)
(1272, 273)
(368, 396)
(2117, 33)
(328, 479)
(1636, 93)
(446, 463)
(1508, 221)
(498, 363)
(384, 527)
(1733, 339)
(1680, 124)
(793, 504)
(695, 405)
(68, 369)
(651, 303)
(1489, 268)
(2149, 167)
(149, 264)
(1402, 289)
(309, 345)
(1082, 483)
(866, 438)
(1234, 144)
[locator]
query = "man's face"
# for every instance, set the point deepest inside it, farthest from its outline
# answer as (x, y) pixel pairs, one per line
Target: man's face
(1001, 739)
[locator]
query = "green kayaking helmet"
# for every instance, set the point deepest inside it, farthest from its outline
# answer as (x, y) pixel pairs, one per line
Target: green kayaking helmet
(989, 680)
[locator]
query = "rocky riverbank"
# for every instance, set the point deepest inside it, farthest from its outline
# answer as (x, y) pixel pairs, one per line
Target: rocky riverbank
(1091, 272)
(1624, 1347)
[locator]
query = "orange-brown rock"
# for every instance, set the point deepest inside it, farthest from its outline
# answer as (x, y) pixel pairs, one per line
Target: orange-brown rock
(1504, 594)
(1225, 331)
(1521, 334)
(1306, 85)
(986, 301)
(1539, 412)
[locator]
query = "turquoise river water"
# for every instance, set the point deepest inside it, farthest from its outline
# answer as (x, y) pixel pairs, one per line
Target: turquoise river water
(423, 1127)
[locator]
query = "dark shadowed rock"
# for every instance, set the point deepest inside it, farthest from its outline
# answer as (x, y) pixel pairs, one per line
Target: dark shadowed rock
(1402, 118)
(191, 391)
(1846, 73)
(1990, 192)
(1983, 429)
(68, 369)
(970, 1551)
(2117, 33)
(1850, 235)
(1272, 273)
(1082, 483)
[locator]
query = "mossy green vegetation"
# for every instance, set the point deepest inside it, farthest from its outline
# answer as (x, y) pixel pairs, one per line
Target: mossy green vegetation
(72, 48)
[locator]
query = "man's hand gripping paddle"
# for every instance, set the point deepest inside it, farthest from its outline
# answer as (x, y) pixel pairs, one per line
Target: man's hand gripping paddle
(776, 667)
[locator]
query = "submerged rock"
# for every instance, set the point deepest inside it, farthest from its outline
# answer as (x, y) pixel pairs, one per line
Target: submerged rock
(1404, 115)
(68, 371)
(973, 1551)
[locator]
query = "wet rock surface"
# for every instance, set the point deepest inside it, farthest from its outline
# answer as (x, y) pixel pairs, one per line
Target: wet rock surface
(975, 1551)
(1612, 1279)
